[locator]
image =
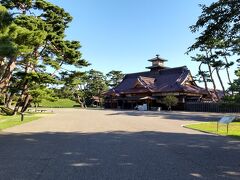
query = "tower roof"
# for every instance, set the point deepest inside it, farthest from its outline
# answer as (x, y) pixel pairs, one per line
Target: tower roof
(157, 63)
(157, 58)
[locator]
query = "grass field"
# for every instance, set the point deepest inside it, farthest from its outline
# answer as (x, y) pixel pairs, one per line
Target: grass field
(10, 121)
(60, 103)
(211, 127)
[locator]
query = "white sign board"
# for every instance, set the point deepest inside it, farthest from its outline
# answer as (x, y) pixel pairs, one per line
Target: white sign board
(227, 119)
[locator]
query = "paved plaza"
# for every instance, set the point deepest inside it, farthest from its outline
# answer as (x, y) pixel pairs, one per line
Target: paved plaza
(116, 145)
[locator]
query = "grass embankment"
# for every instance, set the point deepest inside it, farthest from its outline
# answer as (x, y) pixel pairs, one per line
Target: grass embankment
(10, 121)
(60, 103)
(211, 127)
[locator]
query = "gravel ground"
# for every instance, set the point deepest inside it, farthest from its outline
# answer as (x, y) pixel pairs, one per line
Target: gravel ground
(100, 144)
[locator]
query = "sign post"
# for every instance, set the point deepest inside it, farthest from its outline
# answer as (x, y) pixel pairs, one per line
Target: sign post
(225, 120)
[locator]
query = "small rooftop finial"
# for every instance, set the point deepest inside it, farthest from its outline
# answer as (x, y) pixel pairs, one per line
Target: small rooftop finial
(157, 56)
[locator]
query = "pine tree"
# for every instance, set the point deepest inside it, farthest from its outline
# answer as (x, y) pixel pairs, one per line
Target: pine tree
(219, 34)
(96, 84)
(37, 38)
(114, 78)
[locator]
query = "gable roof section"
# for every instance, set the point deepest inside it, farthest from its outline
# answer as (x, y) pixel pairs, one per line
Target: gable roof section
(171, 79)
(147, 82)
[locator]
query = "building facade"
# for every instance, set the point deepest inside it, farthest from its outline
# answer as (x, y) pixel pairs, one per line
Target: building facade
(152, 86)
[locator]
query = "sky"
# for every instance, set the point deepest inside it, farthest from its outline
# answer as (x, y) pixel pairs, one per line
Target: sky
(124, 34)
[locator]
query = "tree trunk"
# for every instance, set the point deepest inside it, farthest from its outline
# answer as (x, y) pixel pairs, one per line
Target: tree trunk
(17, 106)
(213, 82)
(99, 98)
(205, 81)
(227, 70)
(26, 103)
(220, 80)
(218, 74)
(35, 105)
(80, 101)
(225, 50)
(228, 74)
(169, 108)
(7, 75)
(211, 77)
(9, 99)
(2, 67)
(29, 68)
(20, 99)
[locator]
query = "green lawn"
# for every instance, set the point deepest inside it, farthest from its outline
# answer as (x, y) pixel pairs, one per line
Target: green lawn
(10, 121)
(60, 103)
(211, 127)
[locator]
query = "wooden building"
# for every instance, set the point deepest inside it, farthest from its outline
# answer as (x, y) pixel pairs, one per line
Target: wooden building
(152, 86)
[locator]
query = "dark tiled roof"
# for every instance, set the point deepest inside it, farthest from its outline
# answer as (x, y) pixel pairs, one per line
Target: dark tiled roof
(166, 80)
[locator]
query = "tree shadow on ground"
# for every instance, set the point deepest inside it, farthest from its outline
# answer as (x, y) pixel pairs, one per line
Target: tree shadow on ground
(118, 155)
(172, 115)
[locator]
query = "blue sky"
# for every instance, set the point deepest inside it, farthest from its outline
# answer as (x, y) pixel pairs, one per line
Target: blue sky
(124, 34)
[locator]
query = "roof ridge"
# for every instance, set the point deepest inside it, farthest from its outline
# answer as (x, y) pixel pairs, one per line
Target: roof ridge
(137, 72)
(147, 77)
(174, 68)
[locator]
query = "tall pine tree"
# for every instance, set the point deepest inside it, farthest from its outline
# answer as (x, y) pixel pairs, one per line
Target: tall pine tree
(37, 35)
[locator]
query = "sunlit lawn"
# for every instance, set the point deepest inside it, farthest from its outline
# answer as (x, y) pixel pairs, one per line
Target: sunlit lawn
(211, 127)
(60, 103)
(10, 121)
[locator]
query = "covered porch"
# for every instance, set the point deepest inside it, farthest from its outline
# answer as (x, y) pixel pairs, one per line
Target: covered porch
(130, 102)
